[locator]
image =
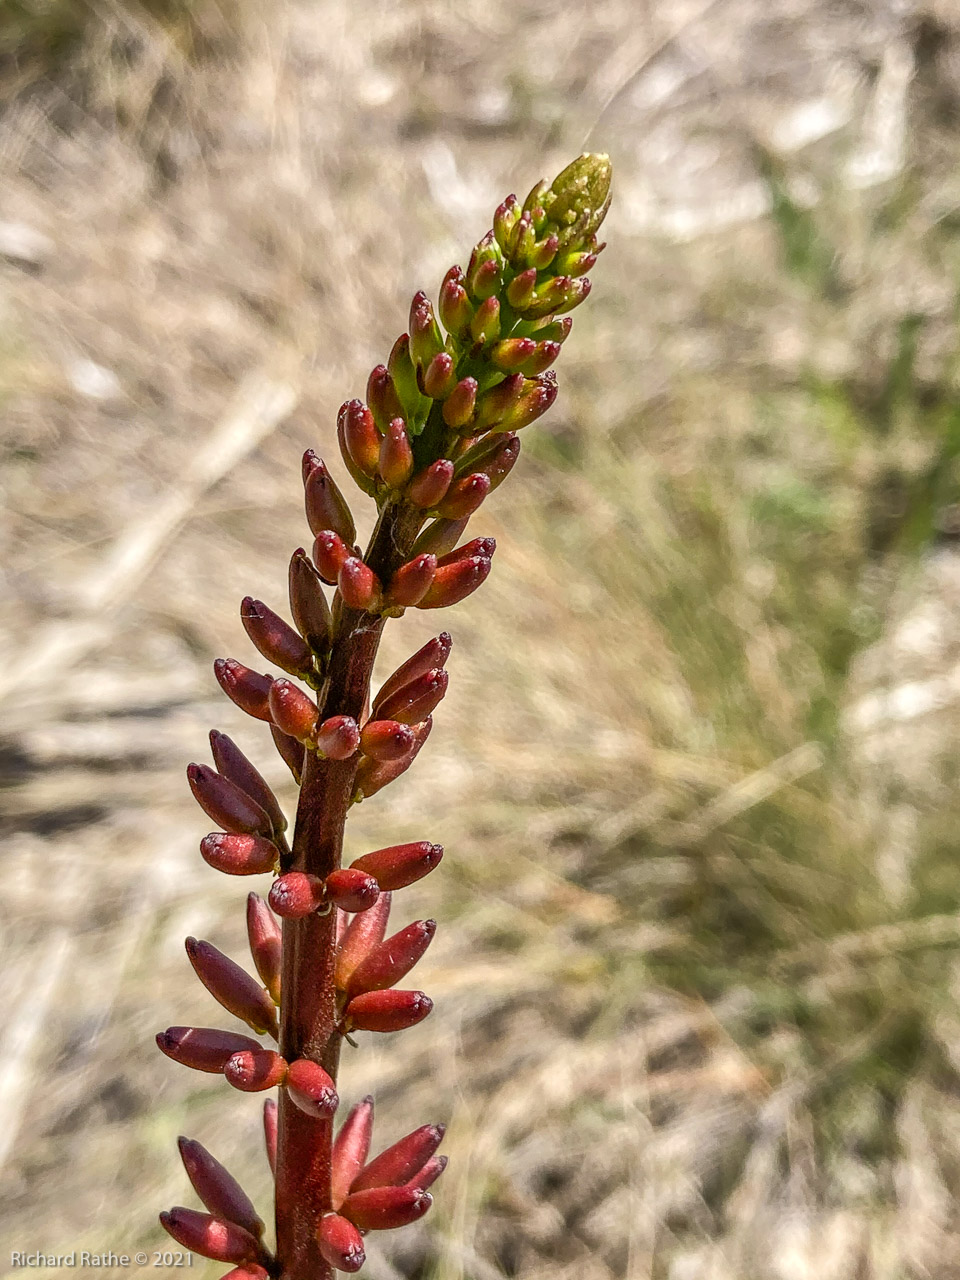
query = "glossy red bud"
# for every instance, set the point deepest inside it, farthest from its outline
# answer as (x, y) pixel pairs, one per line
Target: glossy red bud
(373, 775)
(385, 1208)
(340, 1243)
(359, 442)
(426, 341)
(308, 604)
(386, 739)
(244, 687)
(350, 1149)
(495, 405)
(204, 1234)
(219, 1191)
(224, 802)
(296, 894)
(400, 864)
(510, 354)
(485, 325)
(351, 890)
(411, 582)
(440, 376)
(202, 1048)
(311, 1089)
(386, 1010)
(538, 395)
(292, 711)
(271, 1121)
(465, 496)
(233, 987)
(521, 289)
(454, 582)
(359, 585)
(454, 303)
(330, 553)
(494, 457)
(291, 752)
(439, 537)
(382, 397)
(430, 485)
(326, 506)
(483, 547)
(459, 404)
(266, 943)
(364, 932)
(432, 656)
(253, 1070)
(239, 855)
(541, 360)
(430, 1172)
(276, 640)
(416, 700)
(401, 1162)
(338, 737)
(396, 456)
(233, 764)
(386, 964)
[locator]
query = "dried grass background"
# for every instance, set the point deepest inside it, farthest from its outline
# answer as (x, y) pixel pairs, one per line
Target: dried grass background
(697, 978)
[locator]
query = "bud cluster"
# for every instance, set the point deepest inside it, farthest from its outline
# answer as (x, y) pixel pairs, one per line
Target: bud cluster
(436, 434)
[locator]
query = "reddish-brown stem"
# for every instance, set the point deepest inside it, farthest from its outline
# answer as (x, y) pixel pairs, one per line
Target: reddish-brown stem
(308, 1022)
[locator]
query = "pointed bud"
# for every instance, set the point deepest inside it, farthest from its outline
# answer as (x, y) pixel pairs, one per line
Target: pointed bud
(386, 1010)
(363, 933)
(350, 1150)
(431, 657)
(266, 943)
(499, 459)
(537, 193)
(459, 404)
(359, 442)
(359, 585)
(430, 1172)
(521, 289)
(373, 775)
(483, 547)
(204, 1234)
(510, 354)
(291, 751)
(386, 739)
(575, 264)
(224, 802)
(404, 375)
(341, 1244)
(440, 376)
(526, 241)
(271, 1121)
(554, 330)
(485, 325)
(202, 1048)
(384, 1208)
(292, 711)
(416, 700)
(399, 1163)
(233, 987)
(455, 309)
(396, 456)
(542, 254)
(505, 222)
(311, 1089)
(233, 764)
(219, 1191)
(426, 341)
(465, 497)
(338, 737)
(330, 554)
(495, 404)
(239, 855)
(428, 487)
(392, 960)
(400, 864)
(244, 687)
(483, 270)
(308, 605)
(537, 397)
(296, 894)
(544, 356)
(382, 397)
(454, 582)
(411, 582)
(351, 890)
(253, 1070)
(326, 506)
(439, 537)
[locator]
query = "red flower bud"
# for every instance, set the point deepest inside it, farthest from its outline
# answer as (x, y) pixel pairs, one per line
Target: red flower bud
(239, 855)
(396, 456)
(483, 547)
(399, 1163)
(382, 397)
(494, 405)
(505, 221)
(350, 1149)
(359, 442)
(426, 341)
(244, 687)
(351, 890)
(362, 934)
(330, 553)
(271, 1121)
(386, 1010)
(308, 605)
(219, 1191)
(485, 325)
(486, 280)
(521, 288)
(233, 764)
(292, 711)
(224, 802)
(384, 1208)
(431, 657)
(428, 487)
(454, 304)
(430, 1172)
(202, 1233)
(291, 751)
(202, 1048)
(359, 585)
(411, 582)
(296, 894)
(440, 376)
(416, 700)
(465, 496)
(510, 354)
(454, 582)
(338, 737)
(277, 641)
(385, 965)
(538, 395)
(233, 987)
(459, 404)
(386, 739)
(340, 1243)
(311, 1089)
(495, 457)
(266, 943)
(373, 775)
(544, 356)
(400, 864)
(253, 1070)
(439, 537)
(326, 506)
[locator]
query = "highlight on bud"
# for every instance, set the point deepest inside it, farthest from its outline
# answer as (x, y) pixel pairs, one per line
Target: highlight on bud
(330, 553)
(373, 775)
(391, 960)
(465, 496)
(244, 687)
(239, 855)
(429, 486)
(411, 582)
(430, 657)
(253, 1070)
(326, 507)
(454, 582)
(224, 802)
(426, 341)
(459, 405)
(277, 641)
(296, 894)
(382, 397)
(219, 1191)
(338, 737)
(358, 585)
(351, 889)
(203, 1048)
(292, 711)
(386, 739)
(412, 703)
(311, 1089)
(396, 456)
(401, 1162)
(233, 987)
(385, 1208)
(359, 442)
(204, 1234)
(400, 864)
(385, 1011)
(454, 304)
(340, 1243)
